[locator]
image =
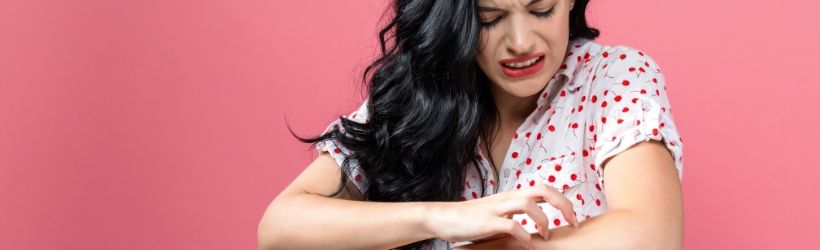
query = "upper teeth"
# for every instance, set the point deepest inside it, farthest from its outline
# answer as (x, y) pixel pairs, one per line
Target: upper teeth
(522, 64)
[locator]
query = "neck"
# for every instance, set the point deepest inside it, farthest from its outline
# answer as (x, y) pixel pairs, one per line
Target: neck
(513, 110)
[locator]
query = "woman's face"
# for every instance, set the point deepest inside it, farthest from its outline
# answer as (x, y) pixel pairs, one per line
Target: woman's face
(523, 42)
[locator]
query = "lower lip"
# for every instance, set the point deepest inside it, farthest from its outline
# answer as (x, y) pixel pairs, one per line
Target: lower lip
(525, 71)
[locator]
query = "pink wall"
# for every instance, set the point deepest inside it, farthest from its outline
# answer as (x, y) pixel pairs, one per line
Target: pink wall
(161, 124)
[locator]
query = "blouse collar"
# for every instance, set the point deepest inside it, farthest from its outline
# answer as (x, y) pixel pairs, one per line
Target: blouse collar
(578, 53)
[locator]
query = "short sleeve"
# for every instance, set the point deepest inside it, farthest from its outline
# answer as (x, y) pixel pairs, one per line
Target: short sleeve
(340, 153)
(635, 107)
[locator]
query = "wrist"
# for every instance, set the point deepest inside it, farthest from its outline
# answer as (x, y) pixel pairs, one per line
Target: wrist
(429, 212)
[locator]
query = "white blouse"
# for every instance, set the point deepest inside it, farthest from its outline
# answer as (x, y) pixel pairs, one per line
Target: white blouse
(602, 100)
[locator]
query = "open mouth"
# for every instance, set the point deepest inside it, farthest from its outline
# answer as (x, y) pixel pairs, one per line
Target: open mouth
(521, 67)
(525, 64)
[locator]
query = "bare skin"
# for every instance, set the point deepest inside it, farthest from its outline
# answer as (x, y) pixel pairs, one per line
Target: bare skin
(645, 208)
(637, 179)
(518, 32)
(346, 222)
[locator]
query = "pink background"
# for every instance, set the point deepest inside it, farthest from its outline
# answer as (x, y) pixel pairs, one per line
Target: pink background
(161, 124)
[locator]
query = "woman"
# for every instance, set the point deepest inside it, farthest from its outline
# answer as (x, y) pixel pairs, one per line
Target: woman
(488, 119)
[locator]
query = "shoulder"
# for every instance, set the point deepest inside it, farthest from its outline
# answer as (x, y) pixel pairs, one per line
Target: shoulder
(622, 59)
(629, 102)
(618, 57)
(604, 66)
(360, 114)
(357, 115)
(622, 68)
(626, 59)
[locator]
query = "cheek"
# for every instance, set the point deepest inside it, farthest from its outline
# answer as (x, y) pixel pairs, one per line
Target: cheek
(485, 51)
(556, 37)
(554, 30)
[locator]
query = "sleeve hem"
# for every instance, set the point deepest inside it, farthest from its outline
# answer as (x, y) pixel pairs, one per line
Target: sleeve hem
(339, 154)
(650, 128)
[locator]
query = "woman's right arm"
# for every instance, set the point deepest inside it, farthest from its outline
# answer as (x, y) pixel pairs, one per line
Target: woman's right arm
(301, 218)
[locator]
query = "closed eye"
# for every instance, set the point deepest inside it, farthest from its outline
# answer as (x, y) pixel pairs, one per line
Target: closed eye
(490, 23)
(542, 14)
(545, 13)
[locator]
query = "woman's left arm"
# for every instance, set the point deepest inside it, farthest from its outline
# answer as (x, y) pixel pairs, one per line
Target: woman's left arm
(645, 207)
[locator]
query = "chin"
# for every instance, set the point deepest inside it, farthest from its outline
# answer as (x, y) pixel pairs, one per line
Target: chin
(530, 86)
(526, 87)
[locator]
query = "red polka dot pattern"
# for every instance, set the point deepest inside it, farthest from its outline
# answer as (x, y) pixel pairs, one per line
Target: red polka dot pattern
(596, 106)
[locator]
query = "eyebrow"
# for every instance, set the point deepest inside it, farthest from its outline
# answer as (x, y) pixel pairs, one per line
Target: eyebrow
(490, 9)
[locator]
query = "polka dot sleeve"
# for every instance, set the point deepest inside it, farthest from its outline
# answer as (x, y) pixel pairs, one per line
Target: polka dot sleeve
(340, 153)
(636, 107)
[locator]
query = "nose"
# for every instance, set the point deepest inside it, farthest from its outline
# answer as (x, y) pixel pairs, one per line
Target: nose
(519, 37)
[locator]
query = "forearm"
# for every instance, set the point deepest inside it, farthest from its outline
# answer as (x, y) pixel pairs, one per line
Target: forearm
(615, 229)
(308, 221)
(618, 229)
(645, 206)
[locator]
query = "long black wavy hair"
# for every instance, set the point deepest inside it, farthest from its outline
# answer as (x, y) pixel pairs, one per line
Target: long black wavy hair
(428, 103)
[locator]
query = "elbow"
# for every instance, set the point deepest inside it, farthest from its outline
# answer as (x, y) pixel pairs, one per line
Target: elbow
(268, 235)
(268, 239)
(670, 239)
(264, 239)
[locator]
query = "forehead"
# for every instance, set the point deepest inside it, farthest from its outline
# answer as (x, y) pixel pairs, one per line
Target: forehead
(504, 3)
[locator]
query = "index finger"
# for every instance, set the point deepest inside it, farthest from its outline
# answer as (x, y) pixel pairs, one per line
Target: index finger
(559, 201)
(513, 228)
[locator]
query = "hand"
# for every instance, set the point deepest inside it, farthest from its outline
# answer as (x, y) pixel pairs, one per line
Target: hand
(491, 217)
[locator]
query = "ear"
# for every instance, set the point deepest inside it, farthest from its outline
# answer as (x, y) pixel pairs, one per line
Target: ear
(571, 5)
